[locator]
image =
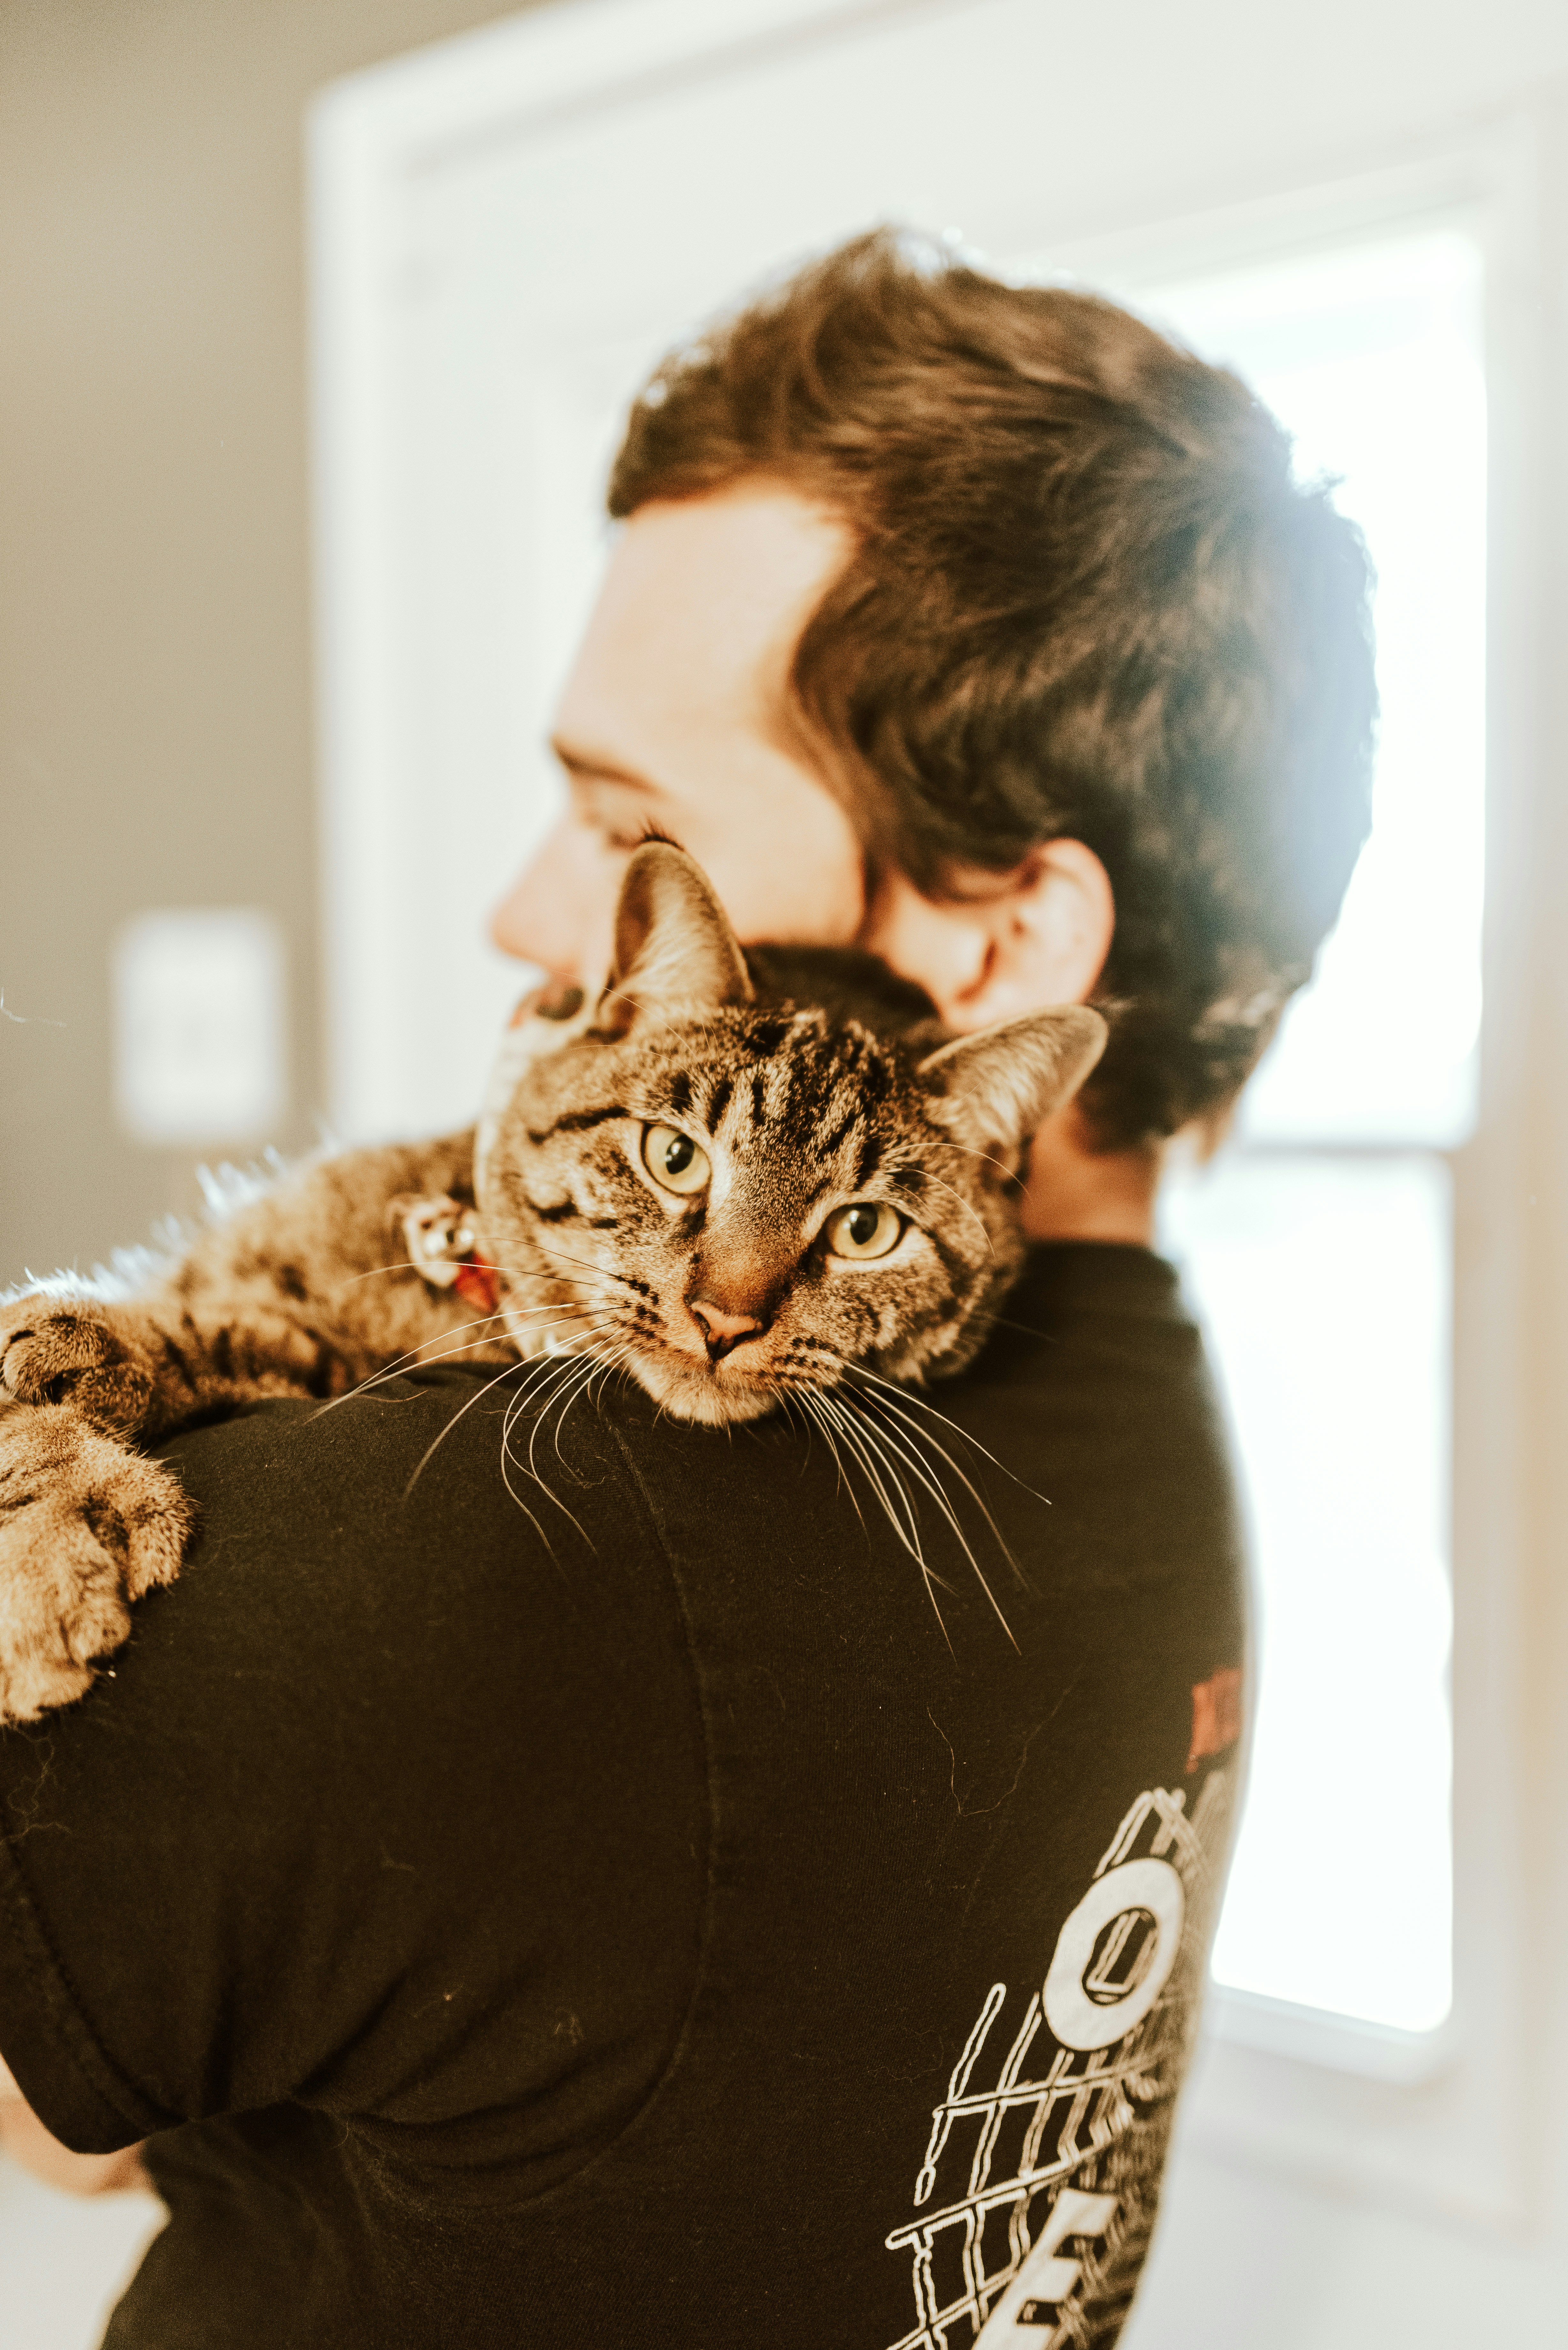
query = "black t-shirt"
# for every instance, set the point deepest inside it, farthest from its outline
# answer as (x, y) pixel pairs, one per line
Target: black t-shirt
(653, 1909)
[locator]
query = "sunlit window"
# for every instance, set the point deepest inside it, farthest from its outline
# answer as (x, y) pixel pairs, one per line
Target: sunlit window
(1319, 1244)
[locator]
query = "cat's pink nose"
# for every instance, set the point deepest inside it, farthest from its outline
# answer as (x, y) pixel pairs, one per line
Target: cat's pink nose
(721, 1331)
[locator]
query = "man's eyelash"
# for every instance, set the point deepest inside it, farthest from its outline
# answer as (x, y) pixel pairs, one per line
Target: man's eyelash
(624, 838)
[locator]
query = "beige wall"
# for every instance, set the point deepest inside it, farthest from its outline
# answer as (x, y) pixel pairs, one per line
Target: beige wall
(155, 690)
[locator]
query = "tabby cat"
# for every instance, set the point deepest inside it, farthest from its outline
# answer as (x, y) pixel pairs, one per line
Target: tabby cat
(736, 1201)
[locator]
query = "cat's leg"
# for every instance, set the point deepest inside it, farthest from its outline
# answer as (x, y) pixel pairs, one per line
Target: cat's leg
(148, 1367)
(85, 1527)
(302, 1292)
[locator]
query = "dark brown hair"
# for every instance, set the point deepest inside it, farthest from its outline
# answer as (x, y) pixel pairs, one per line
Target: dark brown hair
(1087, 600)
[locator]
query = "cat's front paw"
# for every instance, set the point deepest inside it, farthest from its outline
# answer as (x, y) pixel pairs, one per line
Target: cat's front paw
(71, 1350)
(85, 1527)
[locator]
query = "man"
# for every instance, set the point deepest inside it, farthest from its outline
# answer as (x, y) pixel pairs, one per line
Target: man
(696, 1927)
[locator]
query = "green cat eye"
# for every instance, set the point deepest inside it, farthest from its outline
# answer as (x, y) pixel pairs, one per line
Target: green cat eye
(867, 1229)
(673, 1159)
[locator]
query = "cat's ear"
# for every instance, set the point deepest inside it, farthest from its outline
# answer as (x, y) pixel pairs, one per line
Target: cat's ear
(992, 1089)
(674, 949)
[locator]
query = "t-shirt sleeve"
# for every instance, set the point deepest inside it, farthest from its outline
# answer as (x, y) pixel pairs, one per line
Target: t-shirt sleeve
(388, 1759)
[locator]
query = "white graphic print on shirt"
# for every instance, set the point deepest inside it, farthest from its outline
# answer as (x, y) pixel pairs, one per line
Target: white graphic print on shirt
(1039, 2245)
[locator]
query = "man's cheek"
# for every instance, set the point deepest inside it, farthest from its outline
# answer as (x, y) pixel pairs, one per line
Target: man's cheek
(794, 878)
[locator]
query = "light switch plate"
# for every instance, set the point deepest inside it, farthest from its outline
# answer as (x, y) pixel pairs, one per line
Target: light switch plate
(200, 1026)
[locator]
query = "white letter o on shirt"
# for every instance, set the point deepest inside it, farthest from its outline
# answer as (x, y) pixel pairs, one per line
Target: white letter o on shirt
(1080, 2022)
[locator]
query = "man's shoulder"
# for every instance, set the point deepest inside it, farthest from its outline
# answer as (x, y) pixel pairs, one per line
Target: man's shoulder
(403, 1752)
(412, 1561)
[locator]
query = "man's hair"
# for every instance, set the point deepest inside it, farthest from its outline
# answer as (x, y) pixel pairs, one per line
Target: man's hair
(1088, 599)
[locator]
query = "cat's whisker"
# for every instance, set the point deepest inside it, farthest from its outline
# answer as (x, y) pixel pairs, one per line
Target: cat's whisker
(534, 1370)
(584, 1326)
(585, 1365)
(408, 1264)
(542, 1371)
(989, 1157)
(600, 1367)
(600, 1272)
(624, 1290)
(506, 1372)
(867, 1441)
(875, 1468)
(906, 1396)
(415, 1356)
(376, 1271)
(452, 1423)
(607, 1364)
(579, 1323)
(969, 1208)
(531, 1370)
(561, 1371)
(885, 1402)
(785, 1402)
(509, 1460)
(890, 1455)
(519, 1365)
(419, 1358)
(546, 1305)
(596, 1362)
(906, 1399)
(565, 1395)
(944, 1504)
(531, 1273)
(819, 1420)
(514, 1405)
(918, 1434)
(891, 1403)
(864, 1440)
(810, 1423)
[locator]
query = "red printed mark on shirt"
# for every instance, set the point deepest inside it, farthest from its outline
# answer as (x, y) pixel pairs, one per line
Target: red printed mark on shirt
(1216, 1715)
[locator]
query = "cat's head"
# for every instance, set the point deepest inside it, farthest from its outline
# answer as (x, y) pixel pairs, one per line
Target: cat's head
(740, 1200)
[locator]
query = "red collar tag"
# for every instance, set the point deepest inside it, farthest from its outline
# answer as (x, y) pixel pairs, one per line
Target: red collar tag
(442, 1245)
(479, 1282)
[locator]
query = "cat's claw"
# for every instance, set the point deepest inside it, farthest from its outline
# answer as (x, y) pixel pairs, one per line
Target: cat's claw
(68, 1350)
(85, 1527)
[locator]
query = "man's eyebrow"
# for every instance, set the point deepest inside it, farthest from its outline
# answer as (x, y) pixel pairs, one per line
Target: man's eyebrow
(594, 768)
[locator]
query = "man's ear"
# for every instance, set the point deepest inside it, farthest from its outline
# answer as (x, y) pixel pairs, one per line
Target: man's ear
(996, 945)
(992, 1090)
(674, 949)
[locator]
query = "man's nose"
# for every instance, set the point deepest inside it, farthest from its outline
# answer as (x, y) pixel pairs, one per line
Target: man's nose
(559, 911)
(722, 1332)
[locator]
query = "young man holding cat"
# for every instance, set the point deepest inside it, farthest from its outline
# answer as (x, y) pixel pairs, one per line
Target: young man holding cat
(576, 1947)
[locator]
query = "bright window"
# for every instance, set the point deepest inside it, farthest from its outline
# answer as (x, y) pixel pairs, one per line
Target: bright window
(1319, 1245)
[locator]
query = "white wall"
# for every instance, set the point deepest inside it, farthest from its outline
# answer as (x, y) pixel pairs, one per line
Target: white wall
(65, 2262)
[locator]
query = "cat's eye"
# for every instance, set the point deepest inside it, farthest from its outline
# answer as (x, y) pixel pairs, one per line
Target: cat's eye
(866, 1229)
(675, 1163)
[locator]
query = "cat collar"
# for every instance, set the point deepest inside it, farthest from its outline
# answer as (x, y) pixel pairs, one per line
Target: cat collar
(443, 1248)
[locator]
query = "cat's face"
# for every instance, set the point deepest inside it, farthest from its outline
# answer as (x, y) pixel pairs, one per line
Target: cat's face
(739, 1203)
